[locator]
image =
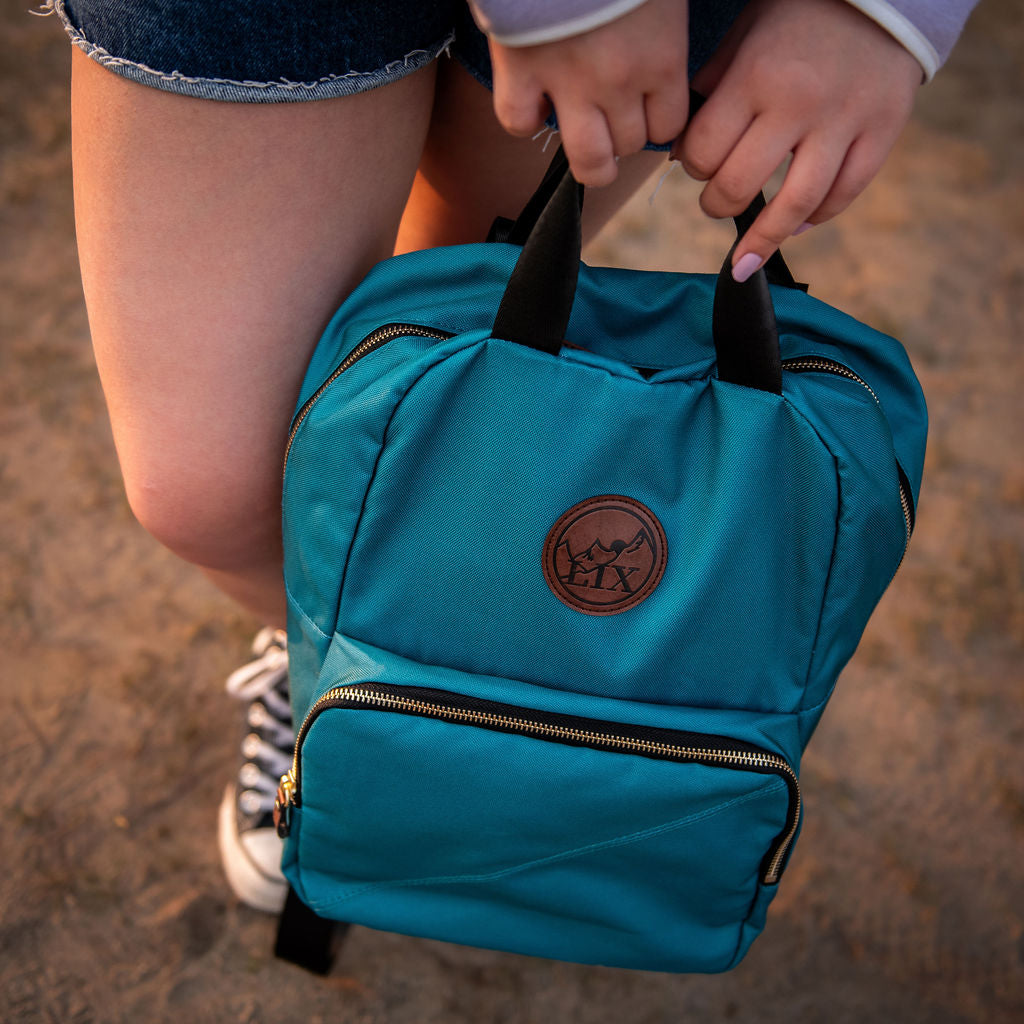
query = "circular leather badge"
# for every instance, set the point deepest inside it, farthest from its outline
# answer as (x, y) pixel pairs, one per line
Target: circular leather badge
(605, 555)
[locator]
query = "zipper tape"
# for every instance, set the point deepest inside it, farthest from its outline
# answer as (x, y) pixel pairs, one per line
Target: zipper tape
(386, 333)
(389, 332)
(819, 364)
(644, 741)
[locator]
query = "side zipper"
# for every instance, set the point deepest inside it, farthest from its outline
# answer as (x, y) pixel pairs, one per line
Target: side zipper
(389, 332)
(645, 741)
(386, 333)
(819, 364)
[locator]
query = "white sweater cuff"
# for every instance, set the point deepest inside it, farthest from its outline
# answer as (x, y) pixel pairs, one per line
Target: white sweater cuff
(560, 29)
(904, 31)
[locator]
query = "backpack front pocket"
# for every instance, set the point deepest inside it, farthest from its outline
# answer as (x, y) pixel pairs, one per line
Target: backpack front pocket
(434, 813)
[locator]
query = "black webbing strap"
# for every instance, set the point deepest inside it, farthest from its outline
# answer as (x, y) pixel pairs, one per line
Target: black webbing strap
(776, 269)
(518, 231)
(538, 299)
(305, 939)
(537, 303)
(746, 335)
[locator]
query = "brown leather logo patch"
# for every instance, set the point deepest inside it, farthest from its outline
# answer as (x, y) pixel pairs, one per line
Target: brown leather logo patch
(605, 555)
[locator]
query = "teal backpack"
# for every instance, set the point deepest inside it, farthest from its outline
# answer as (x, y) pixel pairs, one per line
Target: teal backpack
(574, 556)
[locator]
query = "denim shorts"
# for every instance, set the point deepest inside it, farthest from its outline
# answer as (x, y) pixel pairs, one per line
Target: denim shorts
(281, 51)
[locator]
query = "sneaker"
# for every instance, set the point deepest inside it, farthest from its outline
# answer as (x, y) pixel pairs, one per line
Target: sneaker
(250, 847)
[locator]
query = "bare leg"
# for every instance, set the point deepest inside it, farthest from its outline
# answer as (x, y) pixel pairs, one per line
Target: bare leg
(472, 171)
(215, 240)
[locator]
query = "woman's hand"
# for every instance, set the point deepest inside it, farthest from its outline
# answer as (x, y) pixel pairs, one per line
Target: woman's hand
(613, 88)
(815, 78)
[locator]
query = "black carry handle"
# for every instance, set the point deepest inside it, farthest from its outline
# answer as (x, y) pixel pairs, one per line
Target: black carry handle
(538, 300)
(516, 232)
(537, 303)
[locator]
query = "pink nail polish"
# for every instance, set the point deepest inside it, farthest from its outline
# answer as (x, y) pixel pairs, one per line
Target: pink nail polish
(806, 226)
(745, 266)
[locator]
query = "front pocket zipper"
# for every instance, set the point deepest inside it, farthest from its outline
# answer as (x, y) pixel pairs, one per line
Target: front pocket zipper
(819, 364)
(645, 741)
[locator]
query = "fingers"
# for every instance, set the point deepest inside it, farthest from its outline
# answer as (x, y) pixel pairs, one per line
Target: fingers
(596, 134)
(666, 110)
(599, 120)
(863, 161)
(817, 187)
(521, 108)
(736, 155)
(589, 145)
(812, 177)
(740, 176)
(592, 138)
(613, 87)
(710, 137)
(808, 181)
(627, 126)
(815, 79)
(859, 167)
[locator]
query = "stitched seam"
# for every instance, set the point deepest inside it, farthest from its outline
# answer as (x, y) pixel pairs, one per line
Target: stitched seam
(104, 57)
(625, 840)
(294, 602)
(821, 703)
(625, 374)
(376, 462)
(801, 707)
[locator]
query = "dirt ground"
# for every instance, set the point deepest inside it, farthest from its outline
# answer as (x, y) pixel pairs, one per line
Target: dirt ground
(904, 901)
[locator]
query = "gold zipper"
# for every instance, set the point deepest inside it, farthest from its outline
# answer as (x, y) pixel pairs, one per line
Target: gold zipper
(378, 337)
(819, 364)
(388, 332)
(803, 364)
(363, 694)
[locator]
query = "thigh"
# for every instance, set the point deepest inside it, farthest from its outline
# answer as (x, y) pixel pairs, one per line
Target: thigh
(216, 239)
(472, 171)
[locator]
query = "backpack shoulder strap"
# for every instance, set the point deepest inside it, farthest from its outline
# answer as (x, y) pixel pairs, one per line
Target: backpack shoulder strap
(304, 938)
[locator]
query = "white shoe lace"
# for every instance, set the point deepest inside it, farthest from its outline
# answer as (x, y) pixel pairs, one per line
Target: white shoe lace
(267, 750)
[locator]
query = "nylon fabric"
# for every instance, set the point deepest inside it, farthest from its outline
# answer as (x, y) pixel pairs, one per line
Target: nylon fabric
(519, 867)
(350, 662)
(419, 491)
(525, 472)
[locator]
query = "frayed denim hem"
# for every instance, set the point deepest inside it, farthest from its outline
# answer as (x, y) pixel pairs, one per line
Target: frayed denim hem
(280, 91)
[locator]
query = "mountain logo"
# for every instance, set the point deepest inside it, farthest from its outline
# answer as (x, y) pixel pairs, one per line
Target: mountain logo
(605, 555)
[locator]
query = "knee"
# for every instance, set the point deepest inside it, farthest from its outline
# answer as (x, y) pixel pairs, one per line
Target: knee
(216, 521)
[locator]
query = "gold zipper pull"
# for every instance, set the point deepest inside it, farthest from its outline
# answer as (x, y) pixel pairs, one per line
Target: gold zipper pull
(283, 804)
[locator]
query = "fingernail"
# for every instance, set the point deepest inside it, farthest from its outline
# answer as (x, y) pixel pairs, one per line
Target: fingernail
(806, 226)
(745, 266)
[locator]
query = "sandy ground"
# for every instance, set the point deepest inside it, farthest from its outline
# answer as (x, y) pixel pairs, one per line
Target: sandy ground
(905, 898)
